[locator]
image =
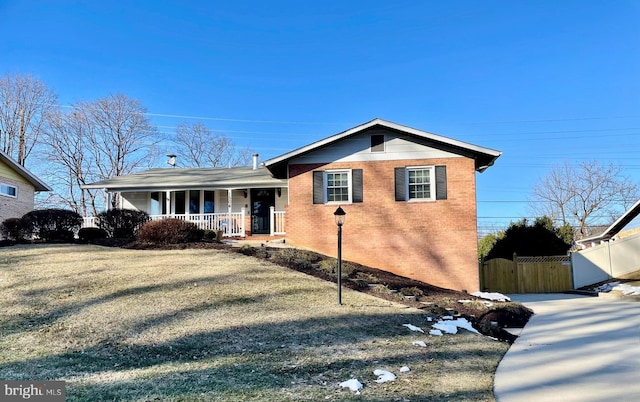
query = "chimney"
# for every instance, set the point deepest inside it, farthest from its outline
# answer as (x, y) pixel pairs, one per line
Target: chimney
(255, 161)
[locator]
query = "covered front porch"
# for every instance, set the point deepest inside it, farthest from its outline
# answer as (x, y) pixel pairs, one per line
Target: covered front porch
(239, 202)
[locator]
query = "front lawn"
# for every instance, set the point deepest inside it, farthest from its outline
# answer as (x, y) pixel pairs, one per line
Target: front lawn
(204, 324)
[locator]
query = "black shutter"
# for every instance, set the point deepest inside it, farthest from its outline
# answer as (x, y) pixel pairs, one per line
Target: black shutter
(441, 182)
(400, 186)
(318, 187)
(356, 180)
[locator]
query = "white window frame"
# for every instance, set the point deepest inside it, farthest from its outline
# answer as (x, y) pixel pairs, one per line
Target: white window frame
(325, 186)
(432, 183)
(5, 192)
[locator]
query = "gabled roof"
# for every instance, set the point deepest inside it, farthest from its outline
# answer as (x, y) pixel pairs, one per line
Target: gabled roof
(616, 226)
(484, 157)
(191, 178)
(38, 184)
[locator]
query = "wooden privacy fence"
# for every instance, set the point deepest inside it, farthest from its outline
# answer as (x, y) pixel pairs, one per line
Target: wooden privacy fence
(527, 275)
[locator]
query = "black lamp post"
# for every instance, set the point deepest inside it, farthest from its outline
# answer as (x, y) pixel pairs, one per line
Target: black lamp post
(339, 215)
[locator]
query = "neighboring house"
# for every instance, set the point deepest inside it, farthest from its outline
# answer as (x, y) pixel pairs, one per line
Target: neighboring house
(612, 254)
(409, 195)
(17, 188)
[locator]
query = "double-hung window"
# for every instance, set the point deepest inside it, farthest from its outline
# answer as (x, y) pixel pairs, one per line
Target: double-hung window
(421, 183)
(8, 190)
(339, 186)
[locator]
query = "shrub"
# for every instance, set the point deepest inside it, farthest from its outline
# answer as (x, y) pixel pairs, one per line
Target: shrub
(330, 266)
(369, 278)
(52, 224)
(211, 235)
(122, 223)
(13, 229)
(169, 231)
(301, 258)
(412, 291)
(91, 234)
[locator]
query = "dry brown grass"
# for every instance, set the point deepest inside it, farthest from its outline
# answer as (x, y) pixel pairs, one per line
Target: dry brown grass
(196, 325)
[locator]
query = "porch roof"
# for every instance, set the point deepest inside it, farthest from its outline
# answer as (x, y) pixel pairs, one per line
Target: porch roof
(190, 178)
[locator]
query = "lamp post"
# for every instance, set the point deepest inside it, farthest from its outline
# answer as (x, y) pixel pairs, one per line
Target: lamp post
(339, 215)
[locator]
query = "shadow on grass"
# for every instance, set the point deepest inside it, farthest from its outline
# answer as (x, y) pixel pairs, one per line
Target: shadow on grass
(274, 361)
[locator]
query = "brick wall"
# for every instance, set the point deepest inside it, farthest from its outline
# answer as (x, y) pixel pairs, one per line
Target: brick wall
(434, 242)
(16, 207)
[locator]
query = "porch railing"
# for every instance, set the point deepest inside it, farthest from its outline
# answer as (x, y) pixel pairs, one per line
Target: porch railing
(277, 222)
(231, 224)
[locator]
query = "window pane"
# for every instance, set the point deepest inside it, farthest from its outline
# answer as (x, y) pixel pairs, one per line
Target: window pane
(420, 183)
(179, 202)
(209, 206)
(337, 186)
(194, 201)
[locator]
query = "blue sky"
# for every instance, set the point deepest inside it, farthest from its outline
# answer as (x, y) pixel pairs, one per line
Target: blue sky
(543, 81)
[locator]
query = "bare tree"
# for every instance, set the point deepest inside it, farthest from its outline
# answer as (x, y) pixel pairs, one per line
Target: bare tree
(584, 195)
(25, 102)
(97, 141)
(197, 146)
(67, 145)
(122, 139)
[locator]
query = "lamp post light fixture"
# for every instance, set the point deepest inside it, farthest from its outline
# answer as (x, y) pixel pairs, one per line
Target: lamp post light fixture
(339, 214)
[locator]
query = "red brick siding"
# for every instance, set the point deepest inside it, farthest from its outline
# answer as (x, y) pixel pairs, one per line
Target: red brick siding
(434, 242)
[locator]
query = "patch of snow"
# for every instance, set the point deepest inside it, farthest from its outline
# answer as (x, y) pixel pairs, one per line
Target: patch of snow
(491, 296)
(404, 369)
(622, 287)
(353, 384)
(429, 319)
(413, 328)
(447, 317)
(435, 332)
(485, 302)
(447, 327)
(606, 287)
(419, 343)
(384, 376)
(628, 289)
(451, 327)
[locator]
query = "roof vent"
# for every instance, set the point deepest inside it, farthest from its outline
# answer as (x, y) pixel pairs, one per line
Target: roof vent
(255, 161)
(172, 160)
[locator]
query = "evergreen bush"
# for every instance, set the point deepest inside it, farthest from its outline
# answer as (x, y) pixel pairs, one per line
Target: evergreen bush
(52, 224)
(122, 223)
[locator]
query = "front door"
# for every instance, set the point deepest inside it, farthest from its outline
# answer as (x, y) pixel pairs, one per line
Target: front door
(261, 200)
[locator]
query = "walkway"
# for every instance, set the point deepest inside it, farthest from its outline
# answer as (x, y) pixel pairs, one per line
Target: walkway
(574, 348)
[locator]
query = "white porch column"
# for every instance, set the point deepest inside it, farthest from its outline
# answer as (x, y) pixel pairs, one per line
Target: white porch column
(242, 228)
(272, 220)
(229, 206)
(167, 202)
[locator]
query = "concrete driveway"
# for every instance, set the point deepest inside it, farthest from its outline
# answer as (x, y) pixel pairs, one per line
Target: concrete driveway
(574, 348)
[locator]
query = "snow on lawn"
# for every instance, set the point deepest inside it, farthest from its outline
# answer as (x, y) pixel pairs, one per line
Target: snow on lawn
(623, 287)
(451, 326)
(491, 296)
(353, 384)
(413, 328)
(384, 376)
